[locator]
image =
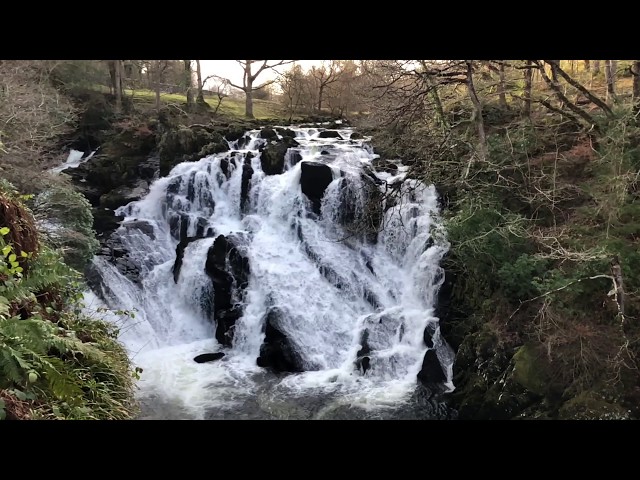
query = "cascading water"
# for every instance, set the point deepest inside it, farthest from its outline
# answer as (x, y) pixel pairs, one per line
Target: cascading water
(305, 277)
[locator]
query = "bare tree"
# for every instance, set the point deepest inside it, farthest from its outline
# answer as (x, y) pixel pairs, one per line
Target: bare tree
(555, 87)
(248, 79)
(324, 76)
(220, 89)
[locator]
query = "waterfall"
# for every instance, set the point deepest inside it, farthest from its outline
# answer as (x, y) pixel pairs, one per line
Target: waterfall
(284, 271)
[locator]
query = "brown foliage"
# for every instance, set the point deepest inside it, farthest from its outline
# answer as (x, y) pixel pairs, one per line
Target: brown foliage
(23, 234)
(15, 408)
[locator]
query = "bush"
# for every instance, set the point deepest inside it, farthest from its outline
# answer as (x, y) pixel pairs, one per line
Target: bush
(54, 361)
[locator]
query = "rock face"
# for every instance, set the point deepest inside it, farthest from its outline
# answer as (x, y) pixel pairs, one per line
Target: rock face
(277, 352)
(229, 270)
(330, 134)
(188, 144)
(314, 179)
(208, 357)
(272, 156)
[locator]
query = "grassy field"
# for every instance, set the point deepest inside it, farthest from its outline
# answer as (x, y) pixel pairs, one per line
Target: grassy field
(230, 106)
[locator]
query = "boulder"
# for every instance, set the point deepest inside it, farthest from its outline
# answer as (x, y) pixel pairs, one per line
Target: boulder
(268, 134)
(277, 352)
(286, 132)
(187, 145)
(273, 155)
(356, 136)
(431, 373)
(315, 177)
(208, 357)
(330, 134)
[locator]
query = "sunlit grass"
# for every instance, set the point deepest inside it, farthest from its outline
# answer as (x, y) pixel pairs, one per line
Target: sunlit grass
(230, 106)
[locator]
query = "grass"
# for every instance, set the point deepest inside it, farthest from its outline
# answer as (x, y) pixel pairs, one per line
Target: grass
(230, 106)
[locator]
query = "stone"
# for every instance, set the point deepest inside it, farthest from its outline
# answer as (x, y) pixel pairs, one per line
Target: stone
(315, 177)
(208, 357)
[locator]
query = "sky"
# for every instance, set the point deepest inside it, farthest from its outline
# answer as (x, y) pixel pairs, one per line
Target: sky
(233, 71)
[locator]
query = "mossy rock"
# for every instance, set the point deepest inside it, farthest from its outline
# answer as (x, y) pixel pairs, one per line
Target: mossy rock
(186, 144)
(592, 406)
(272, 156)
(531, 369)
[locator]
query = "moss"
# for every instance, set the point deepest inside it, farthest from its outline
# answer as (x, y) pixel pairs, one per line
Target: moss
(530, 369)
(187, 144)
(592, 406)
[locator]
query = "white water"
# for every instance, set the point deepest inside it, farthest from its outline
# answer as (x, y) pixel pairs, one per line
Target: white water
(74, 159)
(324, 319)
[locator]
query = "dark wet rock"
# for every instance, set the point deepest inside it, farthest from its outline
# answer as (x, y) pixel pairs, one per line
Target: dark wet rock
(123, 195)
(234, 131)
(277, 352)
(208, 357)
(431, 373)
(363, 361)
(228, 269)
(314, 179)
(105, 221)
(268, 134)
(356, 136)
(273, 156)
(294, 157)
(325, 152)
(429, 331)
(142, 225)
(330, 134)
(286, 132)
(245, 185)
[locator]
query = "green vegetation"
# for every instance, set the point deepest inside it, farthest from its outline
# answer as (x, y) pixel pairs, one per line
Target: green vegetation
(55, 363)
(544, 248)
(232, 107)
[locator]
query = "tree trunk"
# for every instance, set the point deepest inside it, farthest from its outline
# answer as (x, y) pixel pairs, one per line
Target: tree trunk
(502, 88)
(587, 63)
(595, 67)
(558, 91)
(635, 71)
(157, 87)
(554, 75)
(200, 97)
(442, 119)
(610, 67)
(112, 76)
(249, 103)
(528, 76)
(320, 92)
(118, 85)
(476, 117)
(578, 86)
(189, 81)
